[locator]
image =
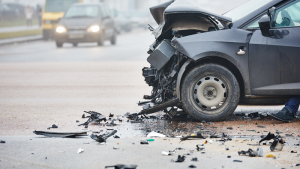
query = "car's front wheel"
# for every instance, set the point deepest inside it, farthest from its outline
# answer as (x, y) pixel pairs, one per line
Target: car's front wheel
(210, 92)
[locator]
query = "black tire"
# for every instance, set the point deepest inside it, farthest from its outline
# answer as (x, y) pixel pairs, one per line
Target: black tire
(75, 44)
(46, 35)
(101, 39)
(59, 44)
(224, 78)
(113, 39)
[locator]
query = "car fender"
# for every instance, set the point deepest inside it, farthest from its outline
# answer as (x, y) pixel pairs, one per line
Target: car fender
(219, 44)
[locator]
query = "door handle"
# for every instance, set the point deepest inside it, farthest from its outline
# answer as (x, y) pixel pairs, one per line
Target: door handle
(241, 52)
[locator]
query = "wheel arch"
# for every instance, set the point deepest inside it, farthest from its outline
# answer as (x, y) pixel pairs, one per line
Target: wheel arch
(217, 59)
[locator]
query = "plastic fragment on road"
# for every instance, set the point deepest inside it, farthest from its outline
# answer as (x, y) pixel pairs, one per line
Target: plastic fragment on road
(115, 136)
(144, 142)
(150, 140)
(94, 117)
(238, 161)
(168, 153)
(293, 151)
(194, 135)
(2, 141)
(200, 148)
(249, 153)
(205, 142)
(194, 159)
(277, 144)
(180, 159)
(229, 128)
(54, 126)
(80, 150)
(270, 156)
(155, 134)
(111, 115)
(103, 137)
(260, 152)
(122, 166)
(60, 134)
(192, 166)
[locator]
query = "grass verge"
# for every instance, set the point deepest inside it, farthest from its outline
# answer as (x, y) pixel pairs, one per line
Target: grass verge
(7, 35)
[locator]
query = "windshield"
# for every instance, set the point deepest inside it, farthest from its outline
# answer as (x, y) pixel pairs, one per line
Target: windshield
(245, 9)
(58, 5)
(82, 11)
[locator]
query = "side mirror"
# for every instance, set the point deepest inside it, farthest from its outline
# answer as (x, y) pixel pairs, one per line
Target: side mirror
(264, 25)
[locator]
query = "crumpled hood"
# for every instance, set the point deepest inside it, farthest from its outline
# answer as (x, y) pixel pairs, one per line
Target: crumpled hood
(158, 11)
(181, 6)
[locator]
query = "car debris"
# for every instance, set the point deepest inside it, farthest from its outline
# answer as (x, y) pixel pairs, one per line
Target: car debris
(196, 135)
(103, 137)
(122, 166)
(115, 136)
(111, 115)
(94, 117)
(54, 126)
(144, 142)
(155, 134)
(270, 156)
(239, 161)
(249, 153)
(194, 159)
(2, 141)
(277, 144)
(180, 159)
(252, 153)
(168, 153)
(60, 134)
(112, 123)
(192, 166)
(80, 150)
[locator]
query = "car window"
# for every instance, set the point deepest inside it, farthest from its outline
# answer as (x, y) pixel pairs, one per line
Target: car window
(82, 11)
(287, 16)
(254, 24)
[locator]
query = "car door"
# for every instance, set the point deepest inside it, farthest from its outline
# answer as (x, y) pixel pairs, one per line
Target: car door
(274, 61)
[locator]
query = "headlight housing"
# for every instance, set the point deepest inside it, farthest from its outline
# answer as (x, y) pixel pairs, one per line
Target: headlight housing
(94, 28)
(61, 29)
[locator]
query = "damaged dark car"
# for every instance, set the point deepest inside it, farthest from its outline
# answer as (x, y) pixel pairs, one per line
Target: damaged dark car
(207, 64)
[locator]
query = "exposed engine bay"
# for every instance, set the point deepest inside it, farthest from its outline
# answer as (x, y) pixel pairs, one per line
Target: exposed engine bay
(175, 20)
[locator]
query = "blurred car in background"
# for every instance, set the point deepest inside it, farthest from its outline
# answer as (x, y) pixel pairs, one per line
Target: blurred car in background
(123, 22)
(141, 19)
(86, 22)
(53, 11)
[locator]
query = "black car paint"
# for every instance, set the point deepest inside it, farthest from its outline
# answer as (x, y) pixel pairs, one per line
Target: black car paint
(264, 71)
(224, 44)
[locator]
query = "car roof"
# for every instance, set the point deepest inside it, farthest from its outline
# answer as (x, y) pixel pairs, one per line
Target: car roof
(240, 23)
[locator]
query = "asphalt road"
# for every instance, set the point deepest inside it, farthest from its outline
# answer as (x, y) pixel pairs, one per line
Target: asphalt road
(41, 85)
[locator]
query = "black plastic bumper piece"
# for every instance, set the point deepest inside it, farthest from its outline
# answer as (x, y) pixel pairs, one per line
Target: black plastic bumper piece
(159, 107)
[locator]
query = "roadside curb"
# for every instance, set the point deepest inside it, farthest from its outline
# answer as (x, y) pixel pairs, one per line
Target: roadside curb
(20, 40)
